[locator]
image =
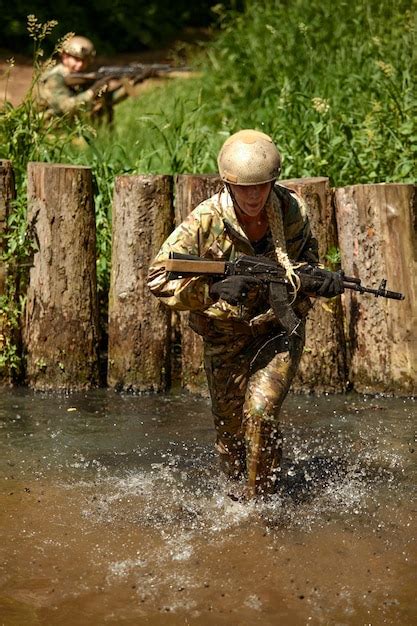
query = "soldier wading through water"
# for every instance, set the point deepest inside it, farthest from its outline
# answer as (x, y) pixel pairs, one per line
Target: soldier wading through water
(250, 359)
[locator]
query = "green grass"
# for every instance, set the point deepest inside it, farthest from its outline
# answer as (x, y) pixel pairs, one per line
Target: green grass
(333, 82)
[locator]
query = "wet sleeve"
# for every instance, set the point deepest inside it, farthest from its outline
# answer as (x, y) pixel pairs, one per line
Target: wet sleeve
(185, 294)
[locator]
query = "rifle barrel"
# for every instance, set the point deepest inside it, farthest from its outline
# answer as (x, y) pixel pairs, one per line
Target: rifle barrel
(133, 70)
(383, 293)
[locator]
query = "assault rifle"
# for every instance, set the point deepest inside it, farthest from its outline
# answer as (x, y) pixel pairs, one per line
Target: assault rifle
(134, 73)
(311, 277)
(273, 275)
(123, 77)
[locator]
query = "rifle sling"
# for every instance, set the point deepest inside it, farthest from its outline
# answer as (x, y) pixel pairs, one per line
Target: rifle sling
(278, 299)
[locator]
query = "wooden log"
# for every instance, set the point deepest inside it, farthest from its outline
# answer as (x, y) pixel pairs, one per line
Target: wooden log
(190, 190)
(139, 325)
(323, 364)
(378, 239)
(8, 334)
(61, 326)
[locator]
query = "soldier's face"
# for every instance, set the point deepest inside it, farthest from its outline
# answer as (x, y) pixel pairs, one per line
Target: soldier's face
(74, 64)
(251, 199)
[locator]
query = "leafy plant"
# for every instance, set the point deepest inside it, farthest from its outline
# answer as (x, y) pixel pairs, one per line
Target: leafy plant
(333, 257)
(10, 312)
(332, 82)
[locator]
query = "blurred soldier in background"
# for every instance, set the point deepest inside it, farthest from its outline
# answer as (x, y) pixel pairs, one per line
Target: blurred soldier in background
(56, 97)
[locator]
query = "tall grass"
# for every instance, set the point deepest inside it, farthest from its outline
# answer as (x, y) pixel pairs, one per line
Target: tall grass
(333, 82)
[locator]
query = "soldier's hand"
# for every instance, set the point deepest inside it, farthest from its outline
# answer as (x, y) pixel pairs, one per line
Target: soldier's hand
(113, 84)
(235, 289)
(101, 86)
(332, 285)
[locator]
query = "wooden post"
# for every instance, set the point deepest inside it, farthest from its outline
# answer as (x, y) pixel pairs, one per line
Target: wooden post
(7, 333)
(323, 365)
(377, 234)
(190, 190)
(139, 325)
(61, 327)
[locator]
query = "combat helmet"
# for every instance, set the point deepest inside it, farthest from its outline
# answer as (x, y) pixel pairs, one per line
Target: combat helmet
(249, 157)
(79, 47)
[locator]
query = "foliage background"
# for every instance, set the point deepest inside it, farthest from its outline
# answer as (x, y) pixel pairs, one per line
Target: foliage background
(114, 25)
(333, 83)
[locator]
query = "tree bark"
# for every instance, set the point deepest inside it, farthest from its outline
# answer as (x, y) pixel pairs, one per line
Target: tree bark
(8, 334)
(190, 190)
(139, 325)
(323, 364)
(378, 239)
(61, 326)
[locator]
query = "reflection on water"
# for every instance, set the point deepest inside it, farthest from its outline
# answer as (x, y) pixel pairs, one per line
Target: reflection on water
(113, 511)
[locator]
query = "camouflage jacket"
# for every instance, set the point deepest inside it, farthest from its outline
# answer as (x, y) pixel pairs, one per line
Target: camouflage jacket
(56, 98)
(213, 231)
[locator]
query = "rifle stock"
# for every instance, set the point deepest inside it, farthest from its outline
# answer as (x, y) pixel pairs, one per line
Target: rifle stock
(182, 265)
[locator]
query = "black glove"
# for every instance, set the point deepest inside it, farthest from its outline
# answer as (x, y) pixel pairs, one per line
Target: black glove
(332, 285)
(234, 289)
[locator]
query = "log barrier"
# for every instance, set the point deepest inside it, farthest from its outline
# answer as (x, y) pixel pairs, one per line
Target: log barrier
(190, 190)
(139, 325)
(353, 342)
(61, 326)
(378, 239)
(323, 364)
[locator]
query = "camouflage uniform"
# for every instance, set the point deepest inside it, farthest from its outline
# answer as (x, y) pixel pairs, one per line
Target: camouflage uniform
(249, 360)
(56, 98)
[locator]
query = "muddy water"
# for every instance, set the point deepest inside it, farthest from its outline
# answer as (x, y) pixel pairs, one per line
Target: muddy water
(113, 511)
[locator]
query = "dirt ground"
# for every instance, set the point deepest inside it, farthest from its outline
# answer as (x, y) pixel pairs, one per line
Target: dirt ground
(14, 85)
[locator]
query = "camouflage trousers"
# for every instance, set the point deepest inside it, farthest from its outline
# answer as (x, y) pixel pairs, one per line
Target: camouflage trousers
(248, 379)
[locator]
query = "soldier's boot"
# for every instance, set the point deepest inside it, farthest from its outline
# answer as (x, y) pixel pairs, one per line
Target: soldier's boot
(263, 457)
